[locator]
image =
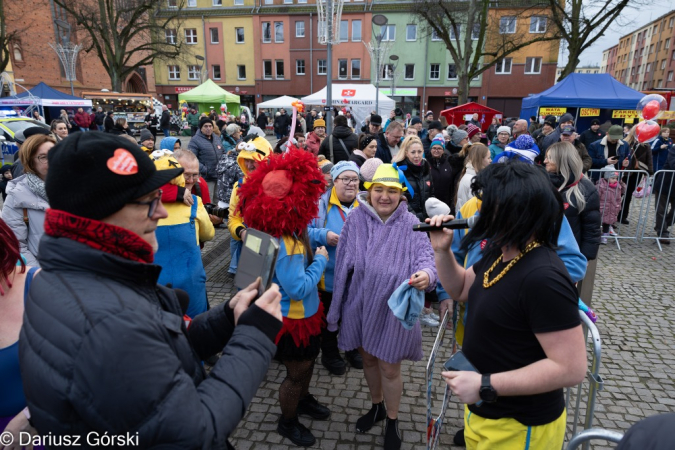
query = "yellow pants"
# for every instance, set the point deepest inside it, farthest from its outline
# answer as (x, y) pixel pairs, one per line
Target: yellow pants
(509, 434)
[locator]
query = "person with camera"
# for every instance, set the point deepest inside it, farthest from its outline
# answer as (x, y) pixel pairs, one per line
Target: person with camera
(530, 347)
(292, 181)
(127, 361)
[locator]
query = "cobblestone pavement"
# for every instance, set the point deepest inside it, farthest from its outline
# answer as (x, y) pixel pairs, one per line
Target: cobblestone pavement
(633, 298)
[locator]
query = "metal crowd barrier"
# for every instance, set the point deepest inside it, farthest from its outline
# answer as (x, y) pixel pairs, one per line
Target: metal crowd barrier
(663, 196)
(434, 424)
(631, 179)
(593, 374)
(594, 433)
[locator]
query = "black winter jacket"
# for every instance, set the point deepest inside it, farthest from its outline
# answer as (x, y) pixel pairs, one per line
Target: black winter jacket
(348, 137)
(383, 151)
(108, 124)
(165, 120)
(208, 152)
(588, 137)
(664, 182)
(442, 176)
(585, 225)
(281, 124)
(262, 121)
(104, 348)
(421, 181)
(118, 130)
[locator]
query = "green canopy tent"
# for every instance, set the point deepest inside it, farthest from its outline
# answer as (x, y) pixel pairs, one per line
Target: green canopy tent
(209, 94)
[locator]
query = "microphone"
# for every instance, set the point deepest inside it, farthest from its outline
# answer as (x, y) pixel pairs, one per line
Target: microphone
(456, 224)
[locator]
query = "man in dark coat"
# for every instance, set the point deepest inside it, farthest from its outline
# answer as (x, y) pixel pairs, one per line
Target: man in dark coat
(261, 120)
(568, 134)
(309, 120)
(108, 122)
(282, 124)
(388, 143)
(165, 121)
(664, 187)
(344, 142)
(208, 149)
(128, 366)
(566, 120)
(592, 134)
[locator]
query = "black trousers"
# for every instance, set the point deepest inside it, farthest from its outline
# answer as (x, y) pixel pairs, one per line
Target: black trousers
(329, 345)
(631, 180)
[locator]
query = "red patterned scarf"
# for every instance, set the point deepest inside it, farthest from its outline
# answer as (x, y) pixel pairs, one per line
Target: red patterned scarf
(108, 238)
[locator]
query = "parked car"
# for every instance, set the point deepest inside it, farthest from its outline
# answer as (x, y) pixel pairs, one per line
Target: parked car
(12, 125)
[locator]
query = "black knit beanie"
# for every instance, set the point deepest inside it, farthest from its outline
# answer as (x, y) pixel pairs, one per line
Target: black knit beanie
(204, 120)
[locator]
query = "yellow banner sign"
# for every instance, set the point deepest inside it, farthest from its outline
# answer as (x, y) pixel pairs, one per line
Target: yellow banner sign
(629, 120)
(667, 115)
(589, 112)
(552, 111)
(624, 114)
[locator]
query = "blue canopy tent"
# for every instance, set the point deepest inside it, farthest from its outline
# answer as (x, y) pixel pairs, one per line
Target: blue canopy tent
(43, 96)
(582, 90)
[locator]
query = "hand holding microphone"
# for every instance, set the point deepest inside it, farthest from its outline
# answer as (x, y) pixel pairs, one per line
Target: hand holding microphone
(448, 222)
(441, 237)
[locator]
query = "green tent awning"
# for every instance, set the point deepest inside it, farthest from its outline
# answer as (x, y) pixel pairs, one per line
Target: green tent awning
(208, 92)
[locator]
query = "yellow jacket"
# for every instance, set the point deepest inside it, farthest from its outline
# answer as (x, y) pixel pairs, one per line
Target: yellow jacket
(179, 213)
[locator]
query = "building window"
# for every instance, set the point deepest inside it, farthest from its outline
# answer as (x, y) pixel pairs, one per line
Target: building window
(663, 64)
(267, 69)
(389, 33)
(299, 29)
(299, 66)
(238, 2)
(670, 22)
(278, 32)
(344, 30)
(475, 31)
(356, 69)
(342, 69)
(172, 3)
(537, 24)
(670, 76)
(170, 36)
(288, 2)
(192, 3)
(239, 35)
(217, 2)
(667, 44)
(409, 72)
(241, 72)
(434, 71)
(191, 36)
(435, 36)
(266, 32)
(321, 67)
(356, 30)
(214, 35)
(533, 65)
(452, 71)
(507, 25)
(280, 69)
(216, 72)
(649, 67)
(503, 66)
(193, 72)
(411, 32)
(387, 71)
(174, 72)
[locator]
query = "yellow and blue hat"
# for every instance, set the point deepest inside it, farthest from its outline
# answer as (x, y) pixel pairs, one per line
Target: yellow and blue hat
(390, 175)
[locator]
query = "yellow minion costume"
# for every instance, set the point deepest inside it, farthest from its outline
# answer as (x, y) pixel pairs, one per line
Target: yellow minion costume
(178, 237)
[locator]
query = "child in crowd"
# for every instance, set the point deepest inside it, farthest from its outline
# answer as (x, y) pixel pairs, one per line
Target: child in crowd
(611, 191)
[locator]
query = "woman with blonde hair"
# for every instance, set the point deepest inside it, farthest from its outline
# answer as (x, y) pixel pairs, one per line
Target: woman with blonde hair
(410, 161)
(477, 158)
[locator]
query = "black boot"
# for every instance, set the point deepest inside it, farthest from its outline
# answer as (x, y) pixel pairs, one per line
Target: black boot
(376, 414)
(392, 437)
(295, 432)
(330, 355)
(458, 440)
(354, 359)
(309, 406)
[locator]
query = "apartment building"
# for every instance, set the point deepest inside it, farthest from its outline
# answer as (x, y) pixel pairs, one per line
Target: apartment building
(645, 58)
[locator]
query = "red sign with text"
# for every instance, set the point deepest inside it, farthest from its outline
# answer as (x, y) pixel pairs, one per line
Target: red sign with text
(348, 92)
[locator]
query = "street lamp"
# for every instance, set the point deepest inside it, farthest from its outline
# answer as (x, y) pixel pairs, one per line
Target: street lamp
(329, 12)
(67, 52)
(376, 52)
(394, 59)
(201, 66)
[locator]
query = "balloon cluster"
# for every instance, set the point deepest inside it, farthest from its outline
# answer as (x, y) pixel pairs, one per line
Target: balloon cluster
(650, 108)
(298, 105)
(185, 110)
(223, 108)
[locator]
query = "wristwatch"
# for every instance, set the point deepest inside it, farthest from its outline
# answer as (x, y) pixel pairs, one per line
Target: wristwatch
(487, 392)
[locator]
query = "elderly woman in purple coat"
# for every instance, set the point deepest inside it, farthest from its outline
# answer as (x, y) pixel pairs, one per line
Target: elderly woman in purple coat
(377, 252)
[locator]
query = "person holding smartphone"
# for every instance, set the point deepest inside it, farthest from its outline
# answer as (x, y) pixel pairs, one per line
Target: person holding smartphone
(612, 149)
(292, 181)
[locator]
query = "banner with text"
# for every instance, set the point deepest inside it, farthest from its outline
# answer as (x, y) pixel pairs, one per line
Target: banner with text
(589, 112)
(624, 114)
(552, 111)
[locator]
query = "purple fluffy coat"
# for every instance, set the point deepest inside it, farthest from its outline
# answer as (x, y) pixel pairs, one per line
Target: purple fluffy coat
(372, 260)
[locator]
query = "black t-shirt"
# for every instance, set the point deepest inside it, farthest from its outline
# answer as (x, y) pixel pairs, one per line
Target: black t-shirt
(535, 296)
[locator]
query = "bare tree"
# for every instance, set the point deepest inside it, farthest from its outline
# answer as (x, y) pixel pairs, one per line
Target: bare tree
(126, 34)
(6, 38)
(483, 42)
(582, 22)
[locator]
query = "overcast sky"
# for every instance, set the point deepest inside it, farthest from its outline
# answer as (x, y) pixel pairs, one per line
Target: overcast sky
(593, 55)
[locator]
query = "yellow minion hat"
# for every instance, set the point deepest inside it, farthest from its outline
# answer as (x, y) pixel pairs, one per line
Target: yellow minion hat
(256, 149)
(386, 175)
(169, 162)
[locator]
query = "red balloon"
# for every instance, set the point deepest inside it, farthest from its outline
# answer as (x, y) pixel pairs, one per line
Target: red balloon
(651, 110)
(222, 108)
(647, 131)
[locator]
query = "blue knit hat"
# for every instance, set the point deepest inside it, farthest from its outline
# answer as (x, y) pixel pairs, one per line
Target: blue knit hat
(438, 140)
(343, 166)
(523, 148)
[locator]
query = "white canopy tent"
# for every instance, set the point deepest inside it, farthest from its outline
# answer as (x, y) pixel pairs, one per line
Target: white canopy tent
(280, 102)
(360, 98)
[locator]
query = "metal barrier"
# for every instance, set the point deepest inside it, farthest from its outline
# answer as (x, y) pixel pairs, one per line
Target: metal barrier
(434, 424)
(593, 374)
(609, 197)
(663, 190)
(594, 433)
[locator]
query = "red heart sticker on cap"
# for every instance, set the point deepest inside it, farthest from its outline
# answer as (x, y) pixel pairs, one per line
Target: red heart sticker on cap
(123, 163)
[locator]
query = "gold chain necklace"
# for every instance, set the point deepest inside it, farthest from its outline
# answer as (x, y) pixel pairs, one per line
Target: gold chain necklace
(486, 275)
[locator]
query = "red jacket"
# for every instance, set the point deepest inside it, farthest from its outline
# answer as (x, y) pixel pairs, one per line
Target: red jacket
(82, 119)
(313, 143)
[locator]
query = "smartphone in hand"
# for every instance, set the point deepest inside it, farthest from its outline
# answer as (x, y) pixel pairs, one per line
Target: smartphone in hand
(258, 259)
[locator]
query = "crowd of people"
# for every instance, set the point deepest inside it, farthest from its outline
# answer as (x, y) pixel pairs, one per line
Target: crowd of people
(103, 299)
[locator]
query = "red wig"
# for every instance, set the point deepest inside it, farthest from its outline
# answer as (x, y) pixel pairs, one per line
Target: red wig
(9, 254)
(283, 203)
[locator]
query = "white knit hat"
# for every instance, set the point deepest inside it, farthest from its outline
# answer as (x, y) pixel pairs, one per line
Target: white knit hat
(504, 129)
(435, 207)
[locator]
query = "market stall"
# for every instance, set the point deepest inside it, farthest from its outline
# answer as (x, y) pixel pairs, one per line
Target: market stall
(209, 95)
(586, 97)
(360, 98)
(49, 102)
(280, 102)
(459, 115)
(130, 106)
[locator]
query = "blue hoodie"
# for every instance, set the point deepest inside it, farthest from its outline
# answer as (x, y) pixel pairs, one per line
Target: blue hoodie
(167, 143)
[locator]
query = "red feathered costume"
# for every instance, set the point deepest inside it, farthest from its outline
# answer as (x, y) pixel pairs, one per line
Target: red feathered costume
(281, 198)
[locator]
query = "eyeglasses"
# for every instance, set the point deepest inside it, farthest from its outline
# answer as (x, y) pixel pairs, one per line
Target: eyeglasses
(42, 158)
(191, 176)
(152, 203)
(348, 181)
